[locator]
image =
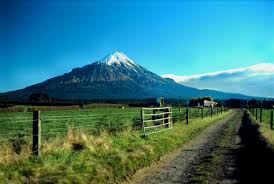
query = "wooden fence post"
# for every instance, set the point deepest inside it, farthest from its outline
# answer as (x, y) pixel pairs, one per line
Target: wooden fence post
(187, 116)
(153, 116)
(211, 111)
(217, 111)
(143, 123)
(179, 114)
(271, 120)
(256, 114)
(166, 117)
(261, 115)
(169, 118)
(36, 133)
(202, 109)
(162, 102)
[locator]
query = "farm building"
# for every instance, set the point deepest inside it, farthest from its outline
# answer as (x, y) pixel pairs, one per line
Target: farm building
(204, 103)
(207, 103)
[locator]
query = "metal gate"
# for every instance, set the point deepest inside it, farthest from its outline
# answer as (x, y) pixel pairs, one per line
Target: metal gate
(155, 120)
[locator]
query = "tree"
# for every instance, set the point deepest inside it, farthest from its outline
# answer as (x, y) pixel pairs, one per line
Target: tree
(254, 103)
(209, 98)
(39, 97)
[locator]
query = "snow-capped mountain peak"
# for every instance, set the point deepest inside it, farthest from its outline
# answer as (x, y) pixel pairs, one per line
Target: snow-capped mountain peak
(114, 77)
(118, 58)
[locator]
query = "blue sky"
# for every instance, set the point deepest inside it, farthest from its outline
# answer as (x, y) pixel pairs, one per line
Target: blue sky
(43, 39)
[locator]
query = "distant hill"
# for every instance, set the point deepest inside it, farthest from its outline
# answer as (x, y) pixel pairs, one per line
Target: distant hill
(114, 77)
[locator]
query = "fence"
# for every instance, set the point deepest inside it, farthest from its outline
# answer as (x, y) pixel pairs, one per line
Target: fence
(264, 116)
(36, 127)
(156, 120)
(32, 128)
(152, 116)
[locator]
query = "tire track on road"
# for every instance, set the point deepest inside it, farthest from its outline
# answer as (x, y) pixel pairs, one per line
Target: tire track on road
(179, 166)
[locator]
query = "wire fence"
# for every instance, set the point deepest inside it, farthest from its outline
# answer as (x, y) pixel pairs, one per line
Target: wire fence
(19, 126)
(263, 116)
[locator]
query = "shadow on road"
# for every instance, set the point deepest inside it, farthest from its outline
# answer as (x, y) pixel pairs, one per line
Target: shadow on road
(254, 160)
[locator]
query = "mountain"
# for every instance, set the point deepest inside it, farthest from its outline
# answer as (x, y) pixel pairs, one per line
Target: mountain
(114, 77)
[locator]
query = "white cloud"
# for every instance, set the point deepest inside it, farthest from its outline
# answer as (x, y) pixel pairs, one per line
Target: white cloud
(256, 80)
(261, 68)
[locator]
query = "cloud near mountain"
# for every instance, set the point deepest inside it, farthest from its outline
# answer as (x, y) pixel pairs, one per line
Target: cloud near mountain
(255, 80)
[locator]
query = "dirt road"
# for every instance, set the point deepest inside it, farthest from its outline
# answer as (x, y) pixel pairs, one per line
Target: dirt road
(220, 154)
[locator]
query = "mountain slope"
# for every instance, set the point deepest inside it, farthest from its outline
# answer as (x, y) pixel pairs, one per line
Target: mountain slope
(114, 77)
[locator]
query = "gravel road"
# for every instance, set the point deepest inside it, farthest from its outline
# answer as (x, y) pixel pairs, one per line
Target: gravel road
(178, 167)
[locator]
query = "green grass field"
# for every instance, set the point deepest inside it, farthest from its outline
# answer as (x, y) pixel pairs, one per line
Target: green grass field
(265, 130)
(97, 145)
(93, 120)
(58, 121)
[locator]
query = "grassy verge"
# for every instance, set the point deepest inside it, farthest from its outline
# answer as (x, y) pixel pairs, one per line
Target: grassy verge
(264, 128)
(83, 158)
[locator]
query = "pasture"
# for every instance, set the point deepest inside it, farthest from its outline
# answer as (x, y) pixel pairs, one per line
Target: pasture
(92, 120)
(265, 124)
(57, 122)
(96, 145)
